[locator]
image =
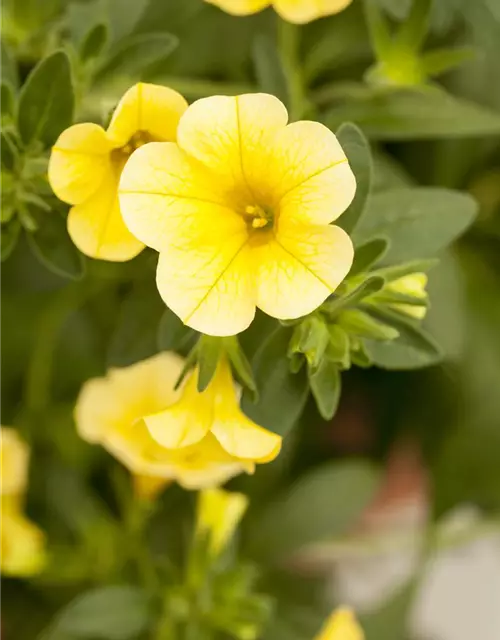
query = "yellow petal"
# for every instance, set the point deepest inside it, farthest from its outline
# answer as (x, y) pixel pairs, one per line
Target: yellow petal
(79, 162)
(238, 435)
(125, 395)
(314, 180)
(185, 422)
(166, 199)
(22, 544)
(241, 7)
(301, 11)
(206, 464)
(230, 135)
(147, 108)
(96, 225)
(341, 625)
(14, 462)
(148, 487)
(218, 514)
(300, 268)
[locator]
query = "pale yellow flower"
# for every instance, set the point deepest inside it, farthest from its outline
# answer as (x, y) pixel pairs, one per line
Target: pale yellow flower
(86, 163)
(240, 211)
(298, 11)
(22, 543)
(197, 439)
(341, 625)
(218, 514)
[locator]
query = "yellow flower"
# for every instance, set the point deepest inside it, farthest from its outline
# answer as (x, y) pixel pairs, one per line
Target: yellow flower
(341, 625)
(22, 543)
(219, 513)
(412, 285)
(240, 211)
(298, 11)
(197, 439)
(15, 460)
(86, 163)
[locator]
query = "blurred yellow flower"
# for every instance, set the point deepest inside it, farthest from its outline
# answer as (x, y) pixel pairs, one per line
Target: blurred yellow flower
(197, 439)
(411, 285)
(341, 625)
(240, 212)
(218, 515)
(86, 163)
(298, 11)
(22, 543)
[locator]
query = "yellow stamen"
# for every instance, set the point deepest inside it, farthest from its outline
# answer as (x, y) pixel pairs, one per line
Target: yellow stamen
(258, 223)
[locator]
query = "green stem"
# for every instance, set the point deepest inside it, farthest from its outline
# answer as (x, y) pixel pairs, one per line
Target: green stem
(288, 45)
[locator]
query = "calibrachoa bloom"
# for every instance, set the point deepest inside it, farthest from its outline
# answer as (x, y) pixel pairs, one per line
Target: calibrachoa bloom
(240, 211)
(197, 439)
(341, 625)
(219, 513)
(86, 163)
(22, 543)
(298, 11)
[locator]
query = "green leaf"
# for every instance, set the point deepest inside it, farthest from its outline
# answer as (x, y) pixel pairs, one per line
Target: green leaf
(209, 350)
(46, 101)
(359, 323)
(10, 236)
(51, 244)
(325, 383)
(137, 52)
(240, 364)
(114, 612)
(418, 221)
(324, 503)
(394, 272)
(135, 334)
(413, 30)
(391, 620)
(9, 67)
(7, 101)
(282, 394)
(368, 254)
(378, 28)
(338, 346)
(411, 114)
(357, 150)
(9, 152)
(269, 71)
(371, 285)
(94, 42)
(414, 348)
(311, 338)
(173, 334)
(434, 63)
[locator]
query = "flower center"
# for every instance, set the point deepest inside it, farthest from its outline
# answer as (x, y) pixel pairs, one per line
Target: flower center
(137, 140)
(258, 217)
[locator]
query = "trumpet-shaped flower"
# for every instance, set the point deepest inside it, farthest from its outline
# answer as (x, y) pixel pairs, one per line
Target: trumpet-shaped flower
(22, 543)
(219, 513)
(86, 163)
(299, 11)
(197, 439)
(240, 212)
(341, 625)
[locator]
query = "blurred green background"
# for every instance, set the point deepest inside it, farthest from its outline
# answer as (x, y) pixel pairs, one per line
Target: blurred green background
(429, 438)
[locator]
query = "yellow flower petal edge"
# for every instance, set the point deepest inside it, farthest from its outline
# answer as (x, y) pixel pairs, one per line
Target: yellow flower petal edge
(298, 11)
(341, 625)
(86, 163)
(218, 514)
(134, 412)
(240, 212)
